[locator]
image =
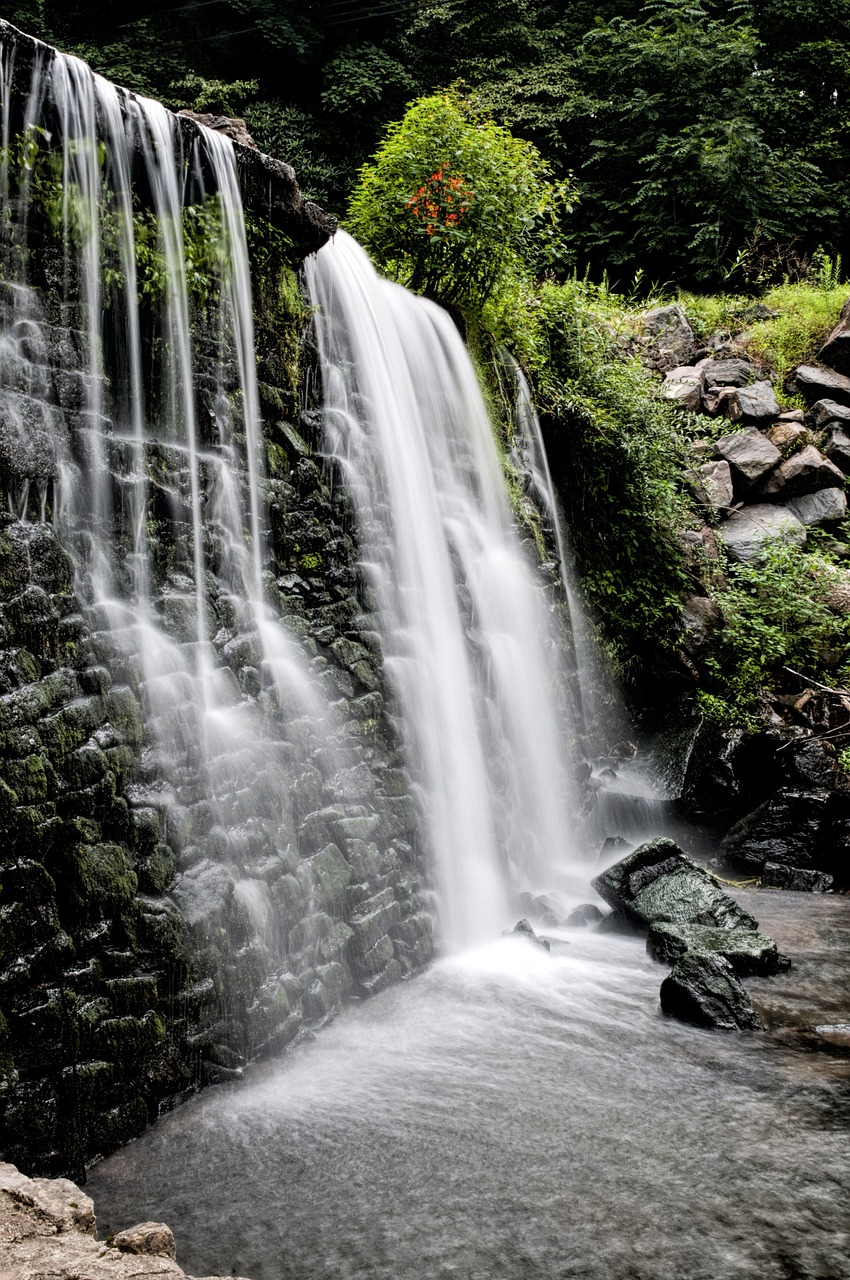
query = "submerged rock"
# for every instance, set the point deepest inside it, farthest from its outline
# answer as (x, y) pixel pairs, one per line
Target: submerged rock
(748, 951)
(659, 883)
(777, 875)
(704, 990)
(583, 915)
(523, 929)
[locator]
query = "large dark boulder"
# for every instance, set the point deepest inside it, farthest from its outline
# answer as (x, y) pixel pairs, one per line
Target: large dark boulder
(836, 350)
(748, 951)
(814, 383)
(659, 883)
(792, 827)
(703, 989)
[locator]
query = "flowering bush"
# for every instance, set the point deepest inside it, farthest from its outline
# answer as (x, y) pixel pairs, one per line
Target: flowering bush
(455, 206)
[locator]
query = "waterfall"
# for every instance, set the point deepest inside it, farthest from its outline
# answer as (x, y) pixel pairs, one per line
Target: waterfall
(470, 644)
(130, 421)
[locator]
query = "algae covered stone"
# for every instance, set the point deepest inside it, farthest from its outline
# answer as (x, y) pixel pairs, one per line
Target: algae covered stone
(657, 882)
(704, 990)
(748, 951)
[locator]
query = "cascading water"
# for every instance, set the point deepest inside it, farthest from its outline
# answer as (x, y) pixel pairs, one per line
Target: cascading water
(468, 640)
(144, 450)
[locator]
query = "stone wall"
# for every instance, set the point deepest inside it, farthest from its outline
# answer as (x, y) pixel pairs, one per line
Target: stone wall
(138, 961)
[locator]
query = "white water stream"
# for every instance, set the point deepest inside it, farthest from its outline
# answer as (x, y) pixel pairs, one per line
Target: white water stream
(468, 640)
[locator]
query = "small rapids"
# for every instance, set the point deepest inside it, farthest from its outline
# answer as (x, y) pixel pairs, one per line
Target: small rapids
(514, 1114)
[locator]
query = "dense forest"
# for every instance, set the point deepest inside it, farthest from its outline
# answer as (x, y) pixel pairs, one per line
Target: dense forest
(707, 142)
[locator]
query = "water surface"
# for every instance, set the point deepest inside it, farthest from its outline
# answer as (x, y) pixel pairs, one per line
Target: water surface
(513, 1114)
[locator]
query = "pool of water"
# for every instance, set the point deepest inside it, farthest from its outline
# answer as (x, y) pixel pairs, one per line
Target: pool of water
(512, 1114)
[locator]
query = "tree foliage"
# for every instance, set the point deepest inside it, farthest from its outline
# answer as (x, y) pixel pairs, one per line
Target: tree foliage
(453, 205)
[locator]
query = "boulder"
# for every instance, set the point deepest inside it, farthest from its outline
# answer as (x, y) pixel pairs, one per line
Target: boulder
(777, 875)
(152, 1238)
(659, 883)
(683, 386)
(580, 917)
(790, 827)
(804, 472)
(700, 618)
(755, 403)
(749, 453)
(670, 330)
(836, 350)
(704, 990)
(824, 507)
(837, 447)
(715, 480)
(522, 929)
(747, 531)
(785, 434)
(814, 383)
(823, 412)
(748, 951)
(729, 373)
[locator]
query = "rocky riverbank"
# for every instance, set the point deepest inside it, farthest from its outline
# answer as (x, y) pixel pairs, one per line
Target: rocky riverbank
(48, 1228)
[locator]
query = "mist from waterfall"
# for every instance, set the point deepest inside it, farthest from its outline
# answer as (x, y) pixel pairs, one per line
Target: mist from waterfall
(470, 643)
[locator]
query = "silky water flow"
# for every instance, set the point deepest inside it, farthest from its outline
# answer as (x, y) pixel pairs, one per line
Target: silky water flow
(144, 451)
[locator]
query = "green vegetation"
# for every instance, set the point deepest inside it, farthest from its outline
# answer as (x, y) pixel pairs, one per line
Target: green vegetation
(775, 615)
(455, 206)
(707, 140)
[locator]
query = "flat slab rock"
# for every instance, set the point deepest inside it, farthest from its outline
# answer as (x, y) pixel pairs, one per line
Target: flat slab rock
(703, 989)
(746, 532)
(747, 951)
(47, 1232)
(658, 883)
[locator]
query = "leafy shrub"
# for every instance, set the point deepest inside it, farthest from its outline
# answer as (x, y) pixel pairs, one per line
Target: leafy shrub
(453, 205)
(807, 313)
(774, 615)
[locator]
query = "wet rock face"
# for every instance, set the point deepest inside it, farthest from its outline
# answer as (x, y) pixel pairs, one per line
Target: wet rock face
(747, 951)
(704, 990)
(659, 883)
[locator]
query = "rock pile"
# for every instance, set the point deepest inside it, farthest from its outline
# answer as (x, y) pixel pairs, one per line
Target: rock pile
(695, 926)
(774, 473)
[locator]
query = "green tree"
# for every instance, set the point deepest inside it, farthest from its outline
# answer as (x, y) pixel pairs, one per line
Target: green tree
(453, 205)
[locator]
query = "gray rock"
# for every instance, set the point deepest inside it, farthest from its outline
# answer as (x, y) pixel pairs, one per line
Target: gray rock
(747, 531)
(583, 915)
(704, 990)
(836, 350)
(804, 472)
(522, 929)
(700, 618)
(670, 329)
(824, 507)
(729, 373)
(749, 453)
(747, 951)
(755, 403)
(683, 386)
(825, 411)
(715, 479)
(152, 1238)
(777, 875)
(659, 883)
(837, 447)
(815, 384)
